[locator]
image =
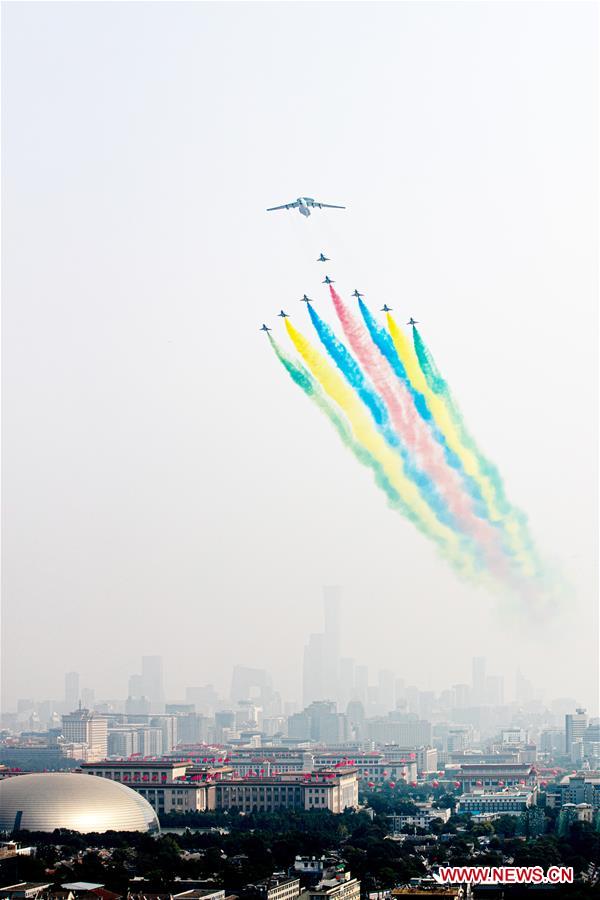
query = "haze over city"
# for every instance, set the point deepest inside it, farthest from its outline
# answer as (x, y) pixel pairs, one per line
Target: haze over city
(166, 490)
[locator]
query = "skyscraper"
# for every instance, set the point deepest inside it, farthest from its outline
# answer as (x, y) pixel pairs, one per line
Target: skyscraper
(346, 689)
(88, 695)
(332, 597)
(247, 683)
(85, 727)
(478, 680)
(152, 681)
(575, 727)
(136, 688)
(387, 690)
(72, 691)
(321, 667)
(361, 684)
(313, 670)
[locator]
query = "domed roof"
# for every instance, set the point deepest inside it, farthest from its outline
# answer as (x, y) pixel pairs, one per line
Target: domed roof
(47, 800)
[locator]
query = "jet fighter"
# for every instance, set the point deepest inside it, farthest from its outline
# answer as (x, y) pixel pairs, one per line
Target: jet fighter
(386, 308)
(328, 280)
(264, 328)
(283, 315)
(412, 321)
(304, 205)
(357, 294)
(305, 299)
(323, 258)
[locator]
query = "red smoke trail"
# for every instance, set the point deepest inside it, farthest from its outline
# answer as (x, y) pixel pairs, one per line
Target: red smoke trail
(411, 428)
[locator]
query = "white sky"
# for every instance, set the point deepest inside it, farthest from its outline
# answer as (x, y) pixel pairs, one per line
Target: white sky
(167, 489)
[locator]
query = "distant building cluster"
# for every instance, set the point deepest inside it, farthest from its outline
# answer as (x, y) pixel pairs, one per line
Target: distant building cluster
(251, 750)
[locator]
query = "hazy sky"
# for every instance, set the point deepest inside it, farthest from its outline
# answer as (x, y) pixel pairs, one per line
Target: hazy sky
(167, 489)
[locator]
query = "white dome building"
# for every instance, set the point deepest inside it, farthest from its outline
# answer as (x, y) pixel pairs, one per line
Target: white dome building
(47, 800)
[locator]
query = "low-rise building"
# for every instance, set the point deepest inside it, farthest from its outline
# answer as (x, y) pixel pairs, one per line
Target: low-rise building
(340, 887)
(279, 887)
(493, 776)
(577, 812)
(312, 865)
(574, 789)
(509, 803)
(421, 819)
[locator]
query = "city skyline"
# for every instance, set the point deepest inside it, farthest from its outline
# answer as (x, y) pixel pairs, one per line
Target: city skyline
(326, 674)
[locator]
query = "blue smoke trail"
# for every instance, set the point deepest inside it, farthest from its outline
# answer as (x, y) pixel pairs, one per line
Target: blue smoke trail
(382, 339)
(355, 378)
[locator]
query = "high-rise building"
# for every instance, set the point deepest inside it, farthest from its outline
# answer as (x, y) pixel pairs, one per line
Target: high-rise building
(152, 681)
(346, 689)
(85, 727)
(575, 728)
(478, 680)
(248, 683)
(204, 697)
(72, 691)
(494, 690)
(523, 688)
(355, 713)
(321, 668)
(462, 693)
(122, 741)
(88, 695)
(135, 688)
(332, 602)
(151, 741)
(313, 670)
(406, 730)
(168, 727)
(361, 684)
(137, 706)
(387, 690)
(224, 721)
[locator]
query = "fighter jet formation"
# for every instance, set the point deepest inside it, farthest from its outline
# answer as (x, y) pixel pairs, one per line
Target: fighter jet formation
(327, 280)
(304, 206)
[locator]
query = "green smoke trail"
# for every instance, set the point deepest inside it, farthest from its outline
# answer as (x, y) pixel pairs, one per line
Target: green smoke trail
(438, 385)
(302, 377)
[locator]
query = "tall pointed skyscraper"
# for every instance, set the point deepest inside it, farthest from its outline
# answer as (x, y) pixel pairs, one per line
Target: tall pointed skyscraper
(321, 669)
(332, 603)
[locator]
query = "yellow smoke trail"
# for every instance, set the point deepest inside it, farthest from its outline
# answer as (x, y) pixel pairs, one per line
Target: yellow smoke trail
(443, 420)
(423, 517)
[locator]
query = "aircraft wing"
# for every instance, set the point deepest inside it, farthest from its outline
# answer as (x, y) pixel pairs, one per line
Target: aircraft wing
(284, 206)
(330, 205)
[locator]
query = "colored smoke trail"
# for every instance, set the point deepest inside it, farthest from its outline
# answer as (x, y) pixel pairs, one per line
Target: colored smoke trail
(306, 382)
(409, 424)
(371, 439)
(379, 411)
(386, 347)
(519, 547)
(489, 474)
